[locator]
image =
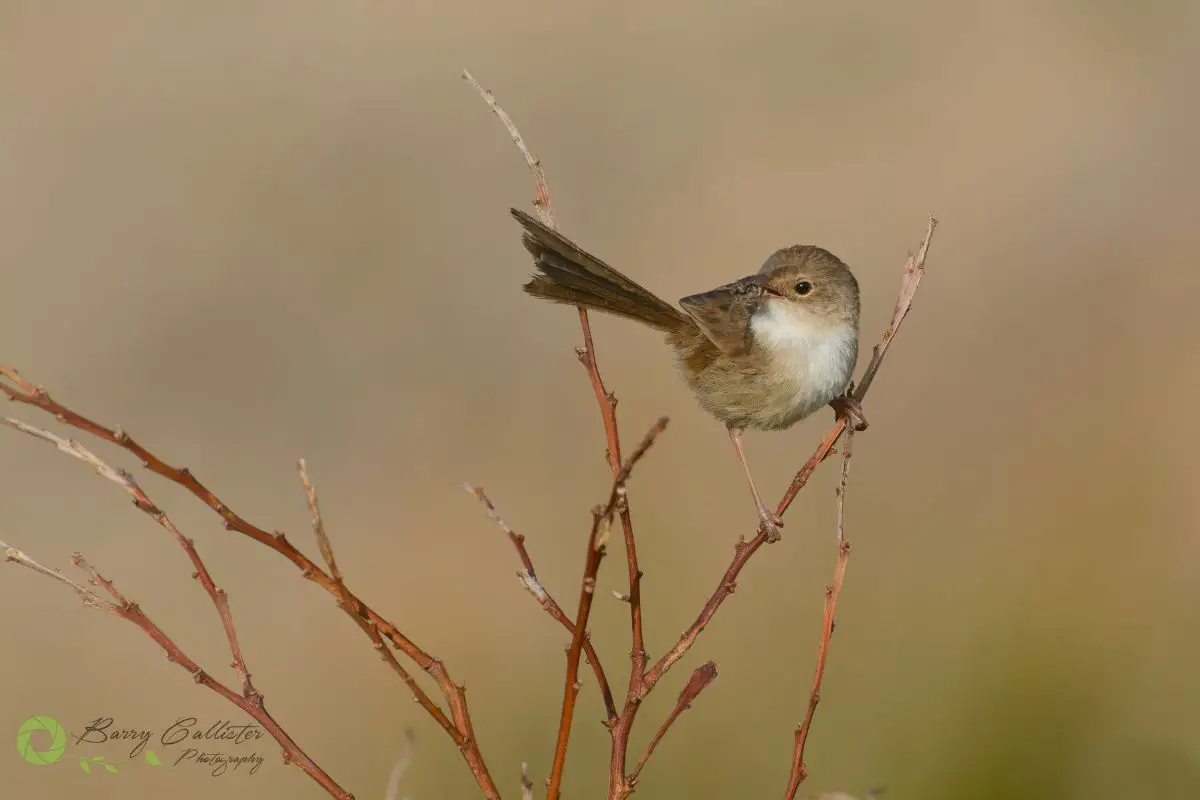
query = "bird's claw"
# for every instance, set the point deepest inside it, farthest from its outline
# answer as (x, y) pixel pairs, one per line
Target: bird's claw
(769, 524)
(847, 406)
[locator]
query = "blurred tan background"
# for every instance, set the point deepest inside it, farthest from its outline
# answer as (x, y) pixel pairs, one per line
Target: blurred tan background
(251, 232)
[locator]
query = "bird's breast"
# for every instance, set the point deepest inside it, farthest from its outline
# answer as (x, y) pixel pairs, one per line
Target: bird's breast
(805, 362)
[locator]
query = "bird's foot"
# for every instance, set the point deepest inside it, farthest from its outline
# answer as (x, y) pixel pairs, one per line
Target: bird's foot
(847, 406)
(769, 523)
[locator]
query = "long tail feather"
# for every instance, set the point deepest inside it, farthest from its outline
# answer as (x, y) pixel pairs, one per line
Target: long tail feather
(570, 275)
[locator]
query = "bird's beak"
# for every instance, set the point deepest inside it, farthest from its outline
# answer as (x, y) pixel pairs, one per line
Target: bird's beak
(761, 281)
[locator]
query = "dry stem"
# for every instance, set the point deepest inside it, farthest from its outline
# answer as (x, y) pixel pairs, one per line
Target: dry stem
(250, 700)
(457, 723)
(601, 524)
(16, 556)
(346, 600)
(219, 599)
(526, 784)
(705, 674)
(608, 412)
(529, 579)
(799, 768)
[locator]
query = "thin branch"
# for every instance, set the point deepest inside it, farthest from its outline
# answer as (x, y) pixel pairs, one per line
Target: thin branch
(526, 784)
(832, 592)
(457, 723)
(704, 675)
(348, 603)
(122, 607)
(318, 524)
(123, 479)
(608, 413)
(601, 525)
(89, 598)
(841, 490)
(541, 204)
(529, 579)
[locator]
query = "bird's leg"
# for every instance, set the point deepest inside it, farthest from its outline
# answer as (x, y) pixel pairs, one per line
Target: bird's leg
(769, 521)
(847, 406)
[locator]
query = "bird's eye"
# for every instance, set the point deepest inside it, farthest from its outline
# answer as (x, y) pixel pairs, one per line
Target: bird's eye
(803, 288)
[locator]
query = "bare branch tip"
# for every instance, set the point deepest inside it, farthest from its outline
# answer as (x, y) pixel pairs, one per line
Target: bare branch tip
(526, 784)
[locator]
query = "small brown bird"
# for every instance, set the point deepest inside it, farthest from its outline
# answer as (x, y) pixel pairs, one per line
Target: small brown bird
(762, 352)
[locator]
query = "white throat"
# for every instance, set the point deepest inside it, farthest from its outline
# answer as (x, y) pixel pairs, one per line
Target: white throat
(814, 360)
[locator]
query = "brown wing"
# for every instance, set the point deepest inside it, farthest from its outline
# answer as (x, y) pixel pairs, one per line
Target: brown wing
(723, 314)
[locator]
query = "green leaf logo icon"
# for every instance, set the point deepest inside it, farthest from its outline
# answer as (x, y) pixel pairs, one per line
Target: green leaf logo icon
(40, 725)
(85, 766)
(152, 759)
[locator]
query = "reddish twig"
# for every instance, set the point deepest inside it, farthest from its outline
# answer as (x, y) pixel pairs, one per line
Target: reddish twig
(252, 706)
(250, 700)
(587, 356)
(704, 675)
(122, 478)
(457, 723)
(347, 603)
(595, 552)
(608, 412)
(832, 591)
(529, 579)
(601, 524)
